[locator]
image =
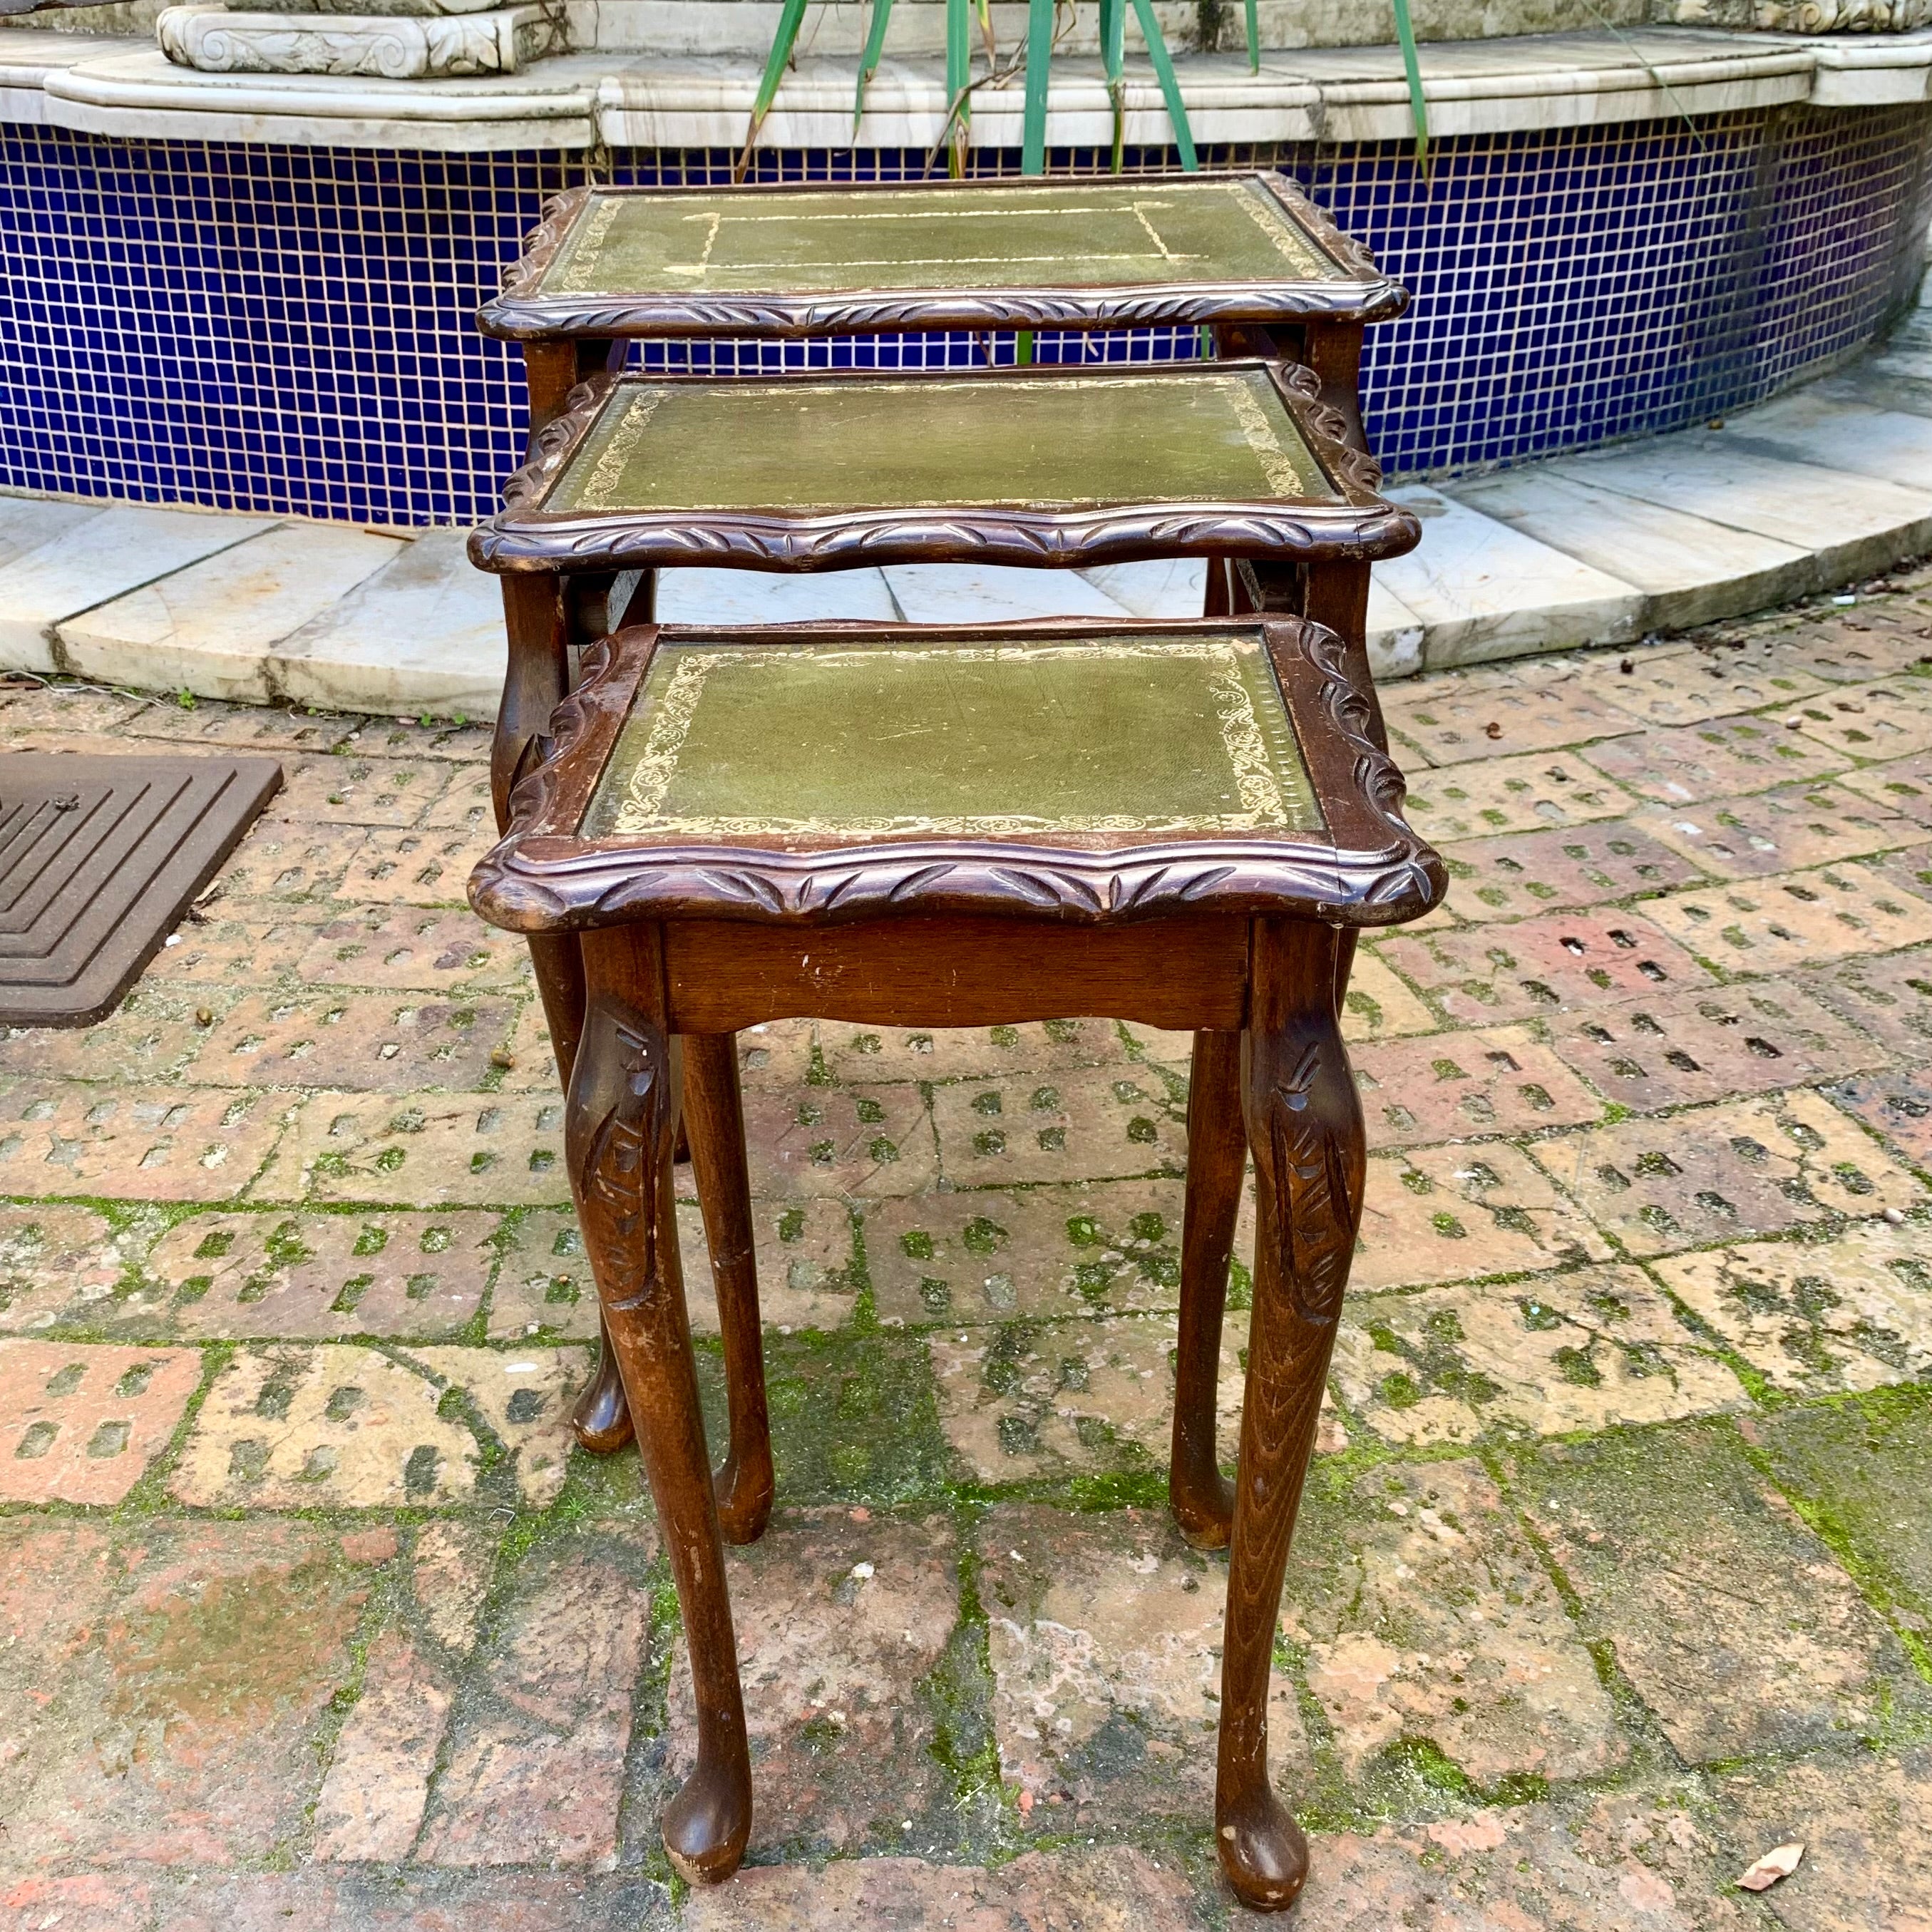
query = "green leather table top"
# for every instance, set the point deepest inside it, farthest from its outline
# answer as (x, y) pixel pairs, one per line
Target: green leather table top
(1060, 234)
(968, 739)
(1211, 436)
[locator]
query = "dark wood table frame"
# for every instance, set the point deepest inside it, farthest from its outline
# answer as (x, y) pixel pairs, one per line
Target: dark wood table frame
(1238, 938)
(1308, 560)
(1315, 321)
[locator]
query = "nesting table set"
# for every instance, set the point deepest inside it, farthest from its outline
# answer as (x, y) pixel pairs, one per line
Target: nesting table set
(1182, 824)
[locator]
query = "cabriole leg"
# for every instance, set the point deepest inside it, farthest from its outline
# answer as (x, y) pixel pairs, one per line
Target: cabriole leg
(714, 1117)
(533, 686)
(533, 614)
(1201, 1497)
(1304, 1124)
(620, 1127)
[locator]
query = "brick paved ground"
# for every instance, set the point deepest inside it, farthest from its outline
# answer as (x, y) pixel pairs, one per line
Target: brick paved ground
(1616, 1568)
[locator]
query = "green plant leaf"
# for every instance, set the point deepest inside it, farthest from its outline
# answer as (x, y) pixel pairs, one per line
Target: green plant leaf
(1113, 36)
(958, 82)
(1170, 88)
(790, 16)
(1039, 59)
(1254, 27)
(868, 62)
(1113, 57)
(1418, 108)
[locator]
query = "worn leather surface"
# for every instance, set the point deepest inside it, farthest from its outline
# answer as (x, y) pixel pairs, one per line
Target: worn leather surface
(1068, 234)
(1210, 436)
(977, 739)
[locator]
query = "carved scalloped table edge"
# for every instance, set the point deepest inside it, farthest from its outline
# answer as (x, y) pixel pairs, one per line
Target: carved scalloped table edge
(1362, 525)
(1394, 879)
(522, 313)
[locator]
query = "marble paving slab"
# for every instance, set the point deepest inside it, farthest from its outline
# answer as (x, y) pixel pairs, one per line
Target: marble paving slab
(979, 593)
(1483, 590)
(423, 634)
(87, 561)
(1892, 445)
(1854, 526)
(210, 628)
(1826, 486)
(772, 597)
(1690, 571)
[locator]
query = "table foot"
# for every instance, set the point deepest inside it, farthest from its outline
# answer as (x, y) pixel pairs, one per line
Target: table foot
(602, 1417)
(1263, 1853)
(1204, 1515)
(706, 1825)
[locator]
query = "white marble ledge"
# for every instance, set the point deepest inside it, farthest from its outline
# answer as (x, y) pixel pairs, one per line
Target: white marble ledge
(1850, 73)
(29, 55)
(705, 103)
(839, 27)
(144, 95)
(1493, 86)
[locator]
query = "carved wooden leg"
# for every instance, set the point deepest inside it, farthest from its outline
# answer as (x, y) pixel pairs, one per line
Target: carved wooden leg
(1334, 350)
(552, 369)
(534, 684)
(1305, 1126)
(1336, 595)
(1345, 964)
(715, 1122)
(534, 615)
(1201, 1497)
(619, 1127)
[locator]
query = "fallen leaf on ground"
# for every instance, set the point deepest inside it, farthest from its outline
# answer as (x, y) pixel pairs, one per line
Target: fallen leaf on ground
(1780, 1861)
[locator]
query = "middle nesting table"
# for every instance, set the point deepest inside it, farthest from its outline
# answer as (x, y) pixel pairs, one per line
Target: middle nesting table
(1058, 467)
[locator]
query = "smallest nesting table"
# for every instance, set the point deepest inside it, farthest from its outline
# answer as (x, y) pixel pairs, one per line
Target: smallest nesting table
(970, 827)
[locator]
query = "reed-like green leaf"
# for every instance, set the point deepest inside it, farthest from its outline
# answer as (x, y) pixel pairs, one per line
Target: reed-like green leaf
(1039, 59)
(1113, 56)
(958, 82)
(1170, 87)
(790, 16)
(1418, 108)
(868, 61)
(1254, 27)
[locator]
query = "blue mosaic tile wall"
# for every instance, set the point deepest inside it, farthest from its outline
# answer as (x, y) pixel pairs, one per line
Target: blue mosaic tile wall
(288, 329)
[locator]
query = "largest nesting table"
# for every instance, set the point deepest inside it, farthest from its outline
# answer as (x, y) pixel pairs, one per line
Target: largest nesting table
(1188, 824)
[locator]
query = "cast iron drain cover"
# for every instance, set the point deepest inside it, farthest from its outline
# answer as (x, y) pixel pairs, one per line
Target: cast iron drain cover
(99, 858)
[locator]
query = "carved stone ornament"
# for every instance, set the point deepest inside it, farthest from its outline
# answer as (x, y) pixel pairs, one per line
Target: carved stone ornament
(1359, 293)
(1796, 16)
(429, 45)
(408, 9)
(1368, 868)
